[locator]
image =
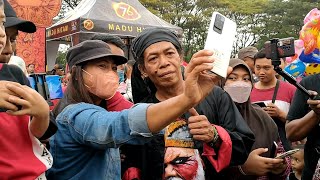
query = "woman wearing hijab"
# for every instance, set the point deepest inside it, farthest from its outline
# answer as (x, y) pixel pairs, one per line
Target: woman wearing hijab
(86, 145)
(260, 163)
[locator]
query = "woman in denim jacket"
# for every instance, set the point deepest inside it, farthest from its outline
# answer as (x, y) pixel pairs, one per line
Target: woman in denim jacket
(88, 137)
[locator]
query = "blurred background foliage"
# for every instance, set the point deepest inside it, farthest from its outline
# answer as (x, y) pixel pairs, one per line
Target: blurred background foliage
(257, 20)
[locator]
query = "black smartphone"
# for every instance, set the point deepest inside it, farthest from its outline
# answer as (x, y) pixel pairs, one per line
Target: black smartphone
(274, 148)
(285, 48)
(261, 104)
(4, 110)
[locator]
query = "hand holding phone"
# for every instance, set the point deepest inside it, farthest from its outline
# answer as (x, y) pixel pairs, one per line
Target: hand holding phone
(220, 38)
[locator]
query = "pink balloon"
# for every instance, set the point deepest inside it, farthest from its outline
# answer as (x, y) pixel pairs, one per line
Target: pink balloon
(313, 14)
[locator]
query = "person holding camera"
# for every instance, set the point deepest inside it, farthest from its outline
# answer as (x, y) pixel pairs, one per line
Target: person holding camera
(275, 94)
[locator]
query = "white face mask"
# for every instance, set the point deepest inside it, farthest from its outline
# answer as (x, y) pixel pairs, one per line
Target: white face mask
(239, 91)
(102, 85)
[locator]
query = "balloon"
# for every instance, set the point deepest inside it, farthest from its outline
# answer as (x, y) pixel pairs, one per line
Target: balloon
(310, 33)
(313, 57)
(314, 13)
(313, 69)
(298, 48)
(296, 68)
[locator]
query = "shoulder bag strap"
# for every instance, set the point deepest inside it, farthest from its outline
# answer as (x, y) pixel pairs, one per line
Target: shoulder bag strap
(275, 92)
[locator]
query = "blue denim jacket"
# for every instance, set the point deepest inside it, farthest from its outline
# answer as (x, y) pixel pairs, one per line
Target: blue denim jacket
(88, 137)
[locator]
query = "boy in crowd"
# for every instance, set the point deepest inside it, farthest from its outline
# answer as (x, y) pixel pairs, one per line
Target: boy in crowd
(297, 163)
(18, 133)
(30, 69)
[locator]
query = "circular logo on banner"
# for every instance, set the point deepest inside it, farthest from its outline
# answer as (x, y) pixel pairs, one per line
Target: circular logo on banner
(88, 24)
(125, 11)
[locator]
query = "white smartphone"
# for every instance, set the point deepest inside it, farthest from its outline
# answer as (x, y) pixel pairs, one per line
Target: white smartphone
(220, 38)
(285, 154)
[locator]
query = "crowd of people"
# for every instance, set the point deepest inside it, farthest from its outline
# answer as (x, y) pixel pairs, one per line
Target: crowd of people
(152, 117)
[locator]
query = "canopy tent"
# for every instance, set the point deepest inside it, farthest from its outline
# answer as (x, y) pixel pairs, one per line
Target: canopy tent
(125, 18)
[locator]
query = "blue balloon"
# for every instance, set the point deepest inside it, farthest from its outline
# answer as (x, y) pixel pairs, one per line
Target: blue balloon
(313, 57)
(296, 68)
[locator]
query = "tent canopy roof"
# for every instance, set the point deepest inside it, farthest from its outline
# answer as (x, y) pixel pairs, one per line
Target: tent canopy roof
(125, 18)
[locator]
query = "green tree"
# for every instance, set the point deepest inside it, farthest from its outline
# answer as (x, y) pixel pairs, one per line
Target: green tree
(192, 16)
(257, 20)
(283, 18)
(248, 15)
(61, 58)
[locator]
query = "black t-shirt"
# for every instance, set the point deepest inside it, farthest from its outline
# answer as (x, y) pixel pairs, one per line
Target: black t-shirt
(292, 177)
(13, 73)
(298, 109)
(219, 108)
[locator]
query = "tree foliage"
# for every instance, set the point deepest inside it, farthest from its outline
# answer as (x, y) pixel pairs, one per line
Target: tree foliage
(194, 18)
(61, 57)
(257, 20)
(247, 14)
(191, 16)
(283, 18)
